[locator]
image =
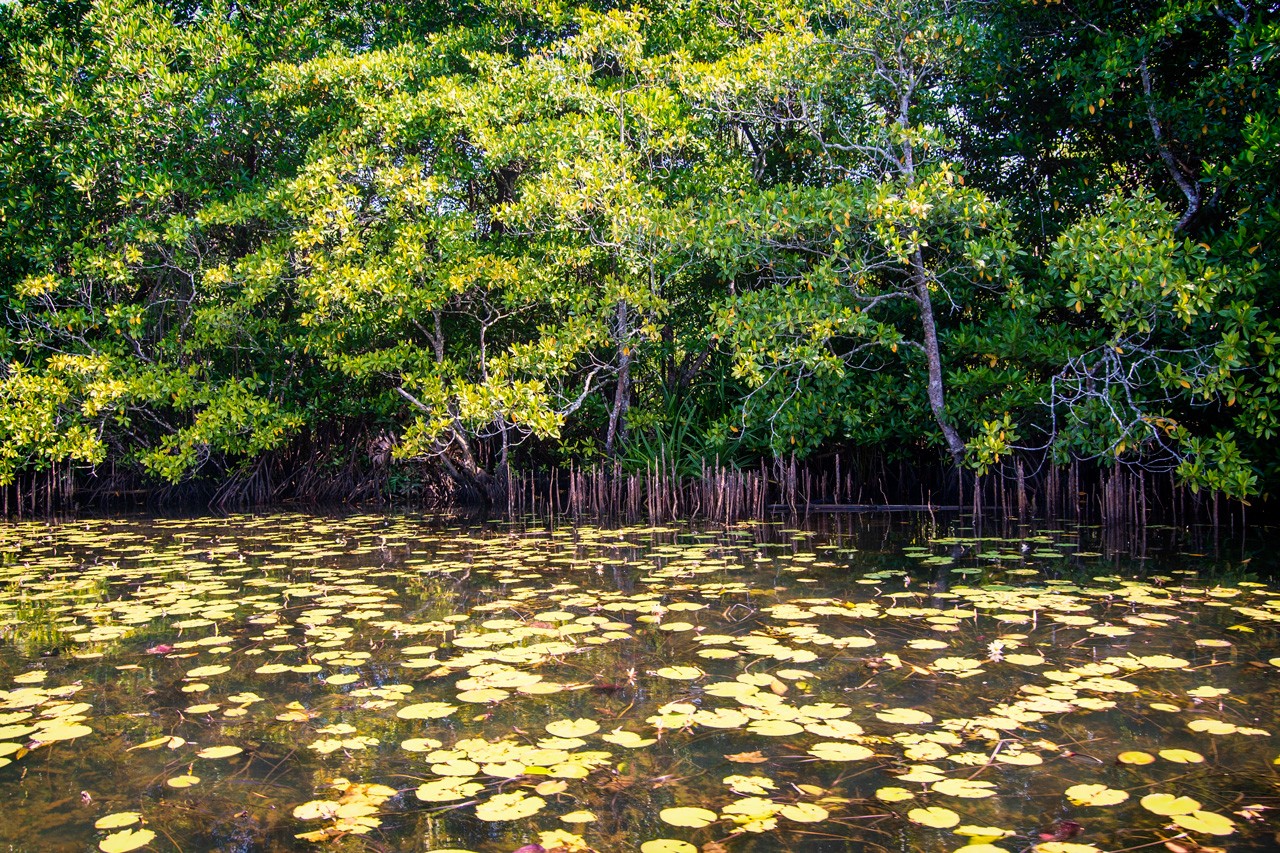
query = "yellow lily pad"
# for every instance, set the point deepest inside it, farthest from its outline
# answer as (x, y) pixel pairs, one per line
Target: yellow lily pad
(219, 751)
(838, 751)
(126, 840)
(573, 728)
(892, 794)
(804, 812)
(1168, 804)
(904, 717)
(1095, 795)
(117, 820)
(935, 817)
(1210, 823)
(667, 845)
(511, 806)
(426, 711)
(690, 816)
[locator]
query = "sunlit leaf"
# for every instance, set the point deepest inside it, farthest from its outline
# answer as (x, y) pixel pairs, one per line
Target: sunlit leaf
(1095, 795)
(117, 820)
(1168, 804)
(904, 716)
(573, 728)
(804, 812)
(892, 794)
(690, 816)
(510, 806)
(667, 845)
(219, 751)
(126, 840)
(934, 816)
(316, 810)
(837, 751)
(426, 711)
(1207, 822)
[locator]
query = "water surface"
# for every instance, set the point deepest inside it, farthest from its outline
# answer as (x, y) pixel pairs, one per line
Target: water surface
(298, 682)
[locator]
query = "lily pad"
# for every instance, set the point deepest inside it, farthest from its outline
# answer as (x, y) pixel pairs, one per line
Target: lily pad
(935, 817)
(690, 816)
(126, 840)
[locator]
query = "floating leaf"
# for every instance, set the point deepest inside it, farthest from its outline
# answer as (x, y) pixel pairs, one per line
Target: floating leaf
(573, 728)
(980, 834)
(126, 840)
(1207, 822)
(448, 790)
(690, 816)
(904, 717)
(340, 678)
(512, 806)
(1164, 662)
(316, 810)
(667, 845)
(60, 731)
(484, 695)
(551, 786)
(837, 751)
(935, 817)
(420, 744)
(1095, 795)
(973, 789)
(1213, 727)
(117, 820)
(775, 728)
(219, 751)
(629, 740)
(750, 784)
(456, 767)
(426, 711)
(894, 795)
(150, 744)
(804, 812)
(1181, 756)
(1168, 804)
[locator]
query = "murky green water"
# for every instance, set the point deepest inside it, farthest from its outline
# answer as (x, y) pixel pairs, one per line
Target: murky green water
(293, 682)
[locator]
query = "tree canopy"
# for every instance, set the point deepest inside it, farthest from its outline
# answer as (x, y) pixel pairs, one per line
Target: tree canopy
(519, 231)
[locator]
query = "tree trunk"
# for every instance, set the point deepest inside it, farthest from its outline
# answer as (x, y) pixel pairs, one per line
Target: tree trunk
(622, 395)
(1185, 179)
(933, 357)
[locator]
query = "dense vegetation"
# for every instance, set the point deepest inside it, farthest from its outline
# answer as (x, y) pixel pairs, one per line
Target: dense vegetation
(527, 232)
